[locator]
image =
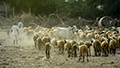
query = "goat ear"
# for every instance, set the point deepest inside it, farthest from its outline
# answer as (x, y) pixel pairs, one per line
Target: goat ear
(90, 44)
(113, 37)
(91, 41)
(117, 31)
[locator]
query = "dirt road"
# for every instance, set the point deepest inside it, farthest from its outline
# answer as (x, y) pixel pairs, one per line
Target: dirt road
(25, 55)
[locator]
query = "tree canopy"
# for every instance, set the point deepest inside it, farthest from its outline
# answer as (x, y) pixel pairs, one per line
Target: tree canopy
(83, 8)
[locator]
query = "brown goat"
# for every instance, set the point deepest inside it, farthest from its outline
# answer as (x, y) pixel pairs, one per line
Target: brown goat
(69, 48)
(47, 49)
(74, 50)
(105, 47)
(60, 44)
(97, 47)
(81, 43)
(112, 46)
(45, 39)
(118, 40)
(83, 49)
(39, 42)
(35, 39)
(73, 42)
(88, 45)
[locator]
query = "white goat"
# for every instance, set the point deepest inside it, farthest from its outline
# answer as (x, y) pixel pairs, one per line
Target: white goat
(65, 33)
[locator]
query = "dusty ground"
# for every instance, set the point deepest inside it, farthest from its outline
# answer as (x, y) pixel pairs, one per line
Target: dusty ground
(25, 55)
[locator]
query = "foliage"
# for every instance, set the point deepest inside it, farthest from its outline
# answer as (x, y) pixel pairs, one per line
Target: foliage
(111, 8)
(84, 8)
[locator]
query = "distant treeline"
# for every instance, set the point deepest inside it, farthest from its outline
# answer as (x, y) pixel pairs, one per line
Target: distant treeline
(89, 9)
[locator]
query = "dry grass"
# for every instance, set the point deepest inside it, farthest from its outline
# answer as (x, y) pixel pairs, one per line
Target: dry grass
(42, 20)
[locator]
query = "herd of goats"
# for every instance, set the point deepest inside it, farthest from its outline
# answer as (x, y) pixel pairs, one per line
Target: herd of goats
(73, 39)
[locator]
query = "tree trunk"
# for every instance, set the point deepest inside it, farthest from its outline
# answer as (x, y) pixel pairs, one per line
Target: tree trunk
(6, 11)
(13, 12)
(29, 10)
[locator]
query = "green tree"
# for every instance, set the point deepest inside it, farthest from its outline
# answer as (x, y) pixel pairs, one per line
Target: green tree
(84, 8)
(111, 7)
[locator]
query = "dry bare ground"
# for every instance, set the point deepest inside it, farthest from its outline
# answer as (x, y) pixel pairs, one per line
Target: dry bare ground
(25, 55)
